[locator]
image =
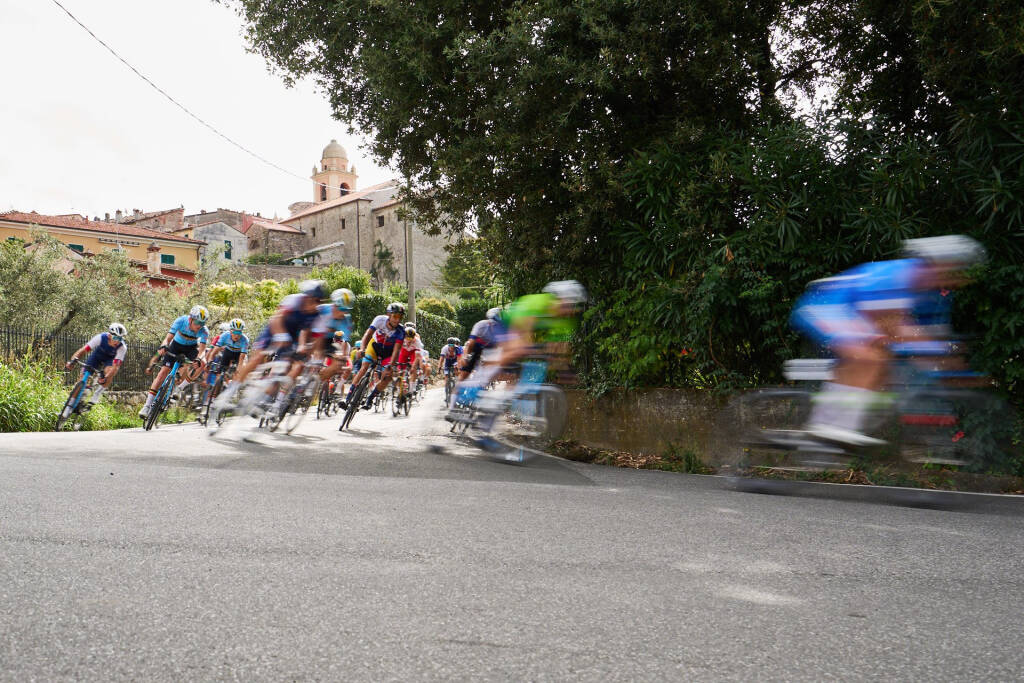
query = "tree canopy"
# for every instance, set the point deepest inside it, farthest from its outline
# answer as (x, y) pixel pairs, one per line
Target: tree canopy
(694, 163)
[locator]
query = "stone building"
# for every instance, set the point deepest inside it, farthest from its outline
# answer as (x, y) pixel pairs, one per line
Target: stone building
(356, 227)
(223, 242)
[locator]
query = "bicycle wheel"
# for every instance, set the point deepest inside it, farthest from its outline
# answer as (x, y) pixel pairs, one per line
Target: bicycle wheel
(353, 405)
(204, 413)
(323, 400)
(69, 405)
(299, 407)
(159, 403)
(407, 402)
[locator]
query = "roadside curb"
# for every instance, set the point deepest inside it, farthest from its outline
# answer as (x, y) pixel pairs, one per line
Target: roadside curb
(959, 501)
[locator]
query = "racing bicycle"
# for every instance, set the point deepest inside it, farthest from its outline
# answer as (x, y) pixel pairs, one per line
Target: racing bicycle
(74, 408)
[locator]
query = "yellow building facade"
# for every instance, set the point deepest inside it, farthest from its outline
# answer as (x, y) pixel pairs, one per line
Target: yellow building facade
(85, 236)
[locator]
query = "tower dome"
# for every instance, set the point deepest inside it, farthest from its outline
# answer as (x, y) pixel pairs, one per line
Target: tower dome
(334, 151)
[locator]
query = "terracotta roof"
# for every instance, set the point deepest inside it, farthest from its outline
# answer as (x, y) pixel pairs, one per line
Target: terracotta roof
(344, 199)
(92, 226)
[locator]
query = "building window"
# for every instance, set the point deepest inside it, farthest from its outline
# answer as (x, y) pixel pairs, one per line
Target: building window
(167, 259)
(342, 223)
(314, 232)
(343, 188)
(227, 249)
(323, 193)
(77, 247)
(380, 221)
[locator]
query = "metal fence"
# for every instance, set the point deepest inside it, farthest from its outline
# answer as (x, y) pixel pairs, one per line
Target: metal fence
(15, 342)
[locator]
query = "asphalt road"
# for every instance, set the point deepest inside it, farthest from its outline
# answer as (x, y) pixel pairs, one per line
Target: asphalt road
(366, 556)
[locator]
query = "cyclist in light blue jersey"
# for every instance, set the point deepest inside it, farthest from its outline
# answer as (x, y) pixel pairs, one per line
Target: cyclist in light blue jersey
(187, 337)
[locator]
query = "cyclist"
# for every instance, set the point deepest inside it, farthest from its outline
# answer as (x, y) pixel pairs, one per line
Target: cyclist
(409, 357)
(230, 348)
(486, 333)
(449, 356)
(292, 329)
(187, 337)
(538, 324)
(336, 318)
(387, 333)
(106, 353)
(860, 313)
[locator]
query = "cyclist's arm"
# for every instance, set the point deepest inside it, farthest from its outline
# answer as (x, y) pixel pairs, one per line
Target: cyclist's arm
(76, 355)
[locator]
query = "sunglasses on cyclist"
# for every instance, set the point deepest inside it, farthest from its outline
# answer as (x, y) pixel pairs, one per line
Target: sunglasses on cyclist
(117, 337)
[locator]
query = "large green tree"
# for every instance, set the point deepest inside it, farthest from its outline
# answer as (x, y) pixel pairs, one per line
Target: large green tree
(695, 163)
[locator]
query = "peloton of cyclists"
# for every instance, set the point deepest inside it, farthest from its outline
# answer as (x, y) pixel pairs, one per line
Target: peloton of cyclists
(187, 337)
(106, 353)
(861, 313)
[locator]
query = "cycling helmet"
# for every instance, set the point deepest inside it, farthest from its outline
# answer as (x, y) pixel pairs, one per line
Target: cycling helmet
(224, 327)
(118, 330)
(236, 325)
(412, 325)
(313, 288)
(494, 313)
(453, 341)
(199, 313)
(947, 249)
(339, 334)
(410, 332)
(359, 344)
(569, 291)
(343, 298)
(395, 307)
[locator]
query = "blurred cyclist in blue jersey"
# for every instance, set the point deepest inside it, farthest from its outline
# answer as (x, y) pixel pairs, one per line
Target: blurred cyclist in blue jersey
(860, 313)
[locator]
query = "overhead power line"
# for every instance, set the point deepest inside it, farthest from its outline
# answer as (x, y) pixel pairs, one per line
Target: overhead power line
(179, 104)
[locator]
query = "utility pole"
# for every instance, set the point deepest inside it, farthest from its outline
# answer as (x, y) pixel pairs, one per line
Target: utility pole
(409, 271)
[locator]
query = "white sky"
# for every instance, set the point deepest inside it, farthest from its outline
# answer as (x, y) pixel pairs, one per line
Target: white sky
(83, 134)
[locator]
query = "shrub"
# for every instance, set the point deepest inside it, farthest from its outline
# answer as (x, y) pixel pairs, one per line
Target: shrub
(336, 275)
(267, 259)
(368, 306)
(437, 307)
(31, 395)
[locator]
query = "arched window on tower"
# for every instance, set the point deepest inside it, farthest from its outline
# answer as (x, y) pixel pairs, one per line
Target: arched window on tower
(323, 193)
(344, 189)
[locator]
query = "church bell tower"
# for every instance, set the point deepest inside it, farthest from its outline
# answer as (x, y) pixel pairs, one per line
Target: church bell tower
(335, 177)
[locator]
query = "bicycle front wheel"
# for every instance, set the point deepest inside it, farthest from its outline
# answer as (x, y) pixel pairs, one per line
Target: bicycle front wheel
(69, 405)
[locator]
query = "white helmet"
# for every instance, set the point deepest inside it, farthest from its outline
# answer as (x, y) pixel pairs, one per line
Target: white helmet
(569, 291)
(343, 298)
(236, 325)
(199, 313)
(946, 249)
(118, 330)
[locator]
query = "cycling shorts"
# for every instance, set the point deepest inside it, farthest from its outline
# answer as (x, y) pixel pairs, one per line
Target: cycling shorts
(379, 353)
(228, 358)
(190, 351)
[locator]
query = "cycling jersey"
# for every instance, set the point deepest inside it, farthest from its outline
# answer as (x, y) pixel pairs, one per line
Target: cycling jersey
(407, 356)
(450, 353)
(103, 352)
(295, 319)
(546, 326)
(385, 337)
(835, 310)
(487, 333)
(185, 336)
(241, 345)
(332, 324)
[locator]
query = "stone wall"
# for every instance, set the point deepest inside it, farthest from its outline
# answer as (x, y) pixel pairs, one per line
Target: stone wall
(648, 421)
(279, 273)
